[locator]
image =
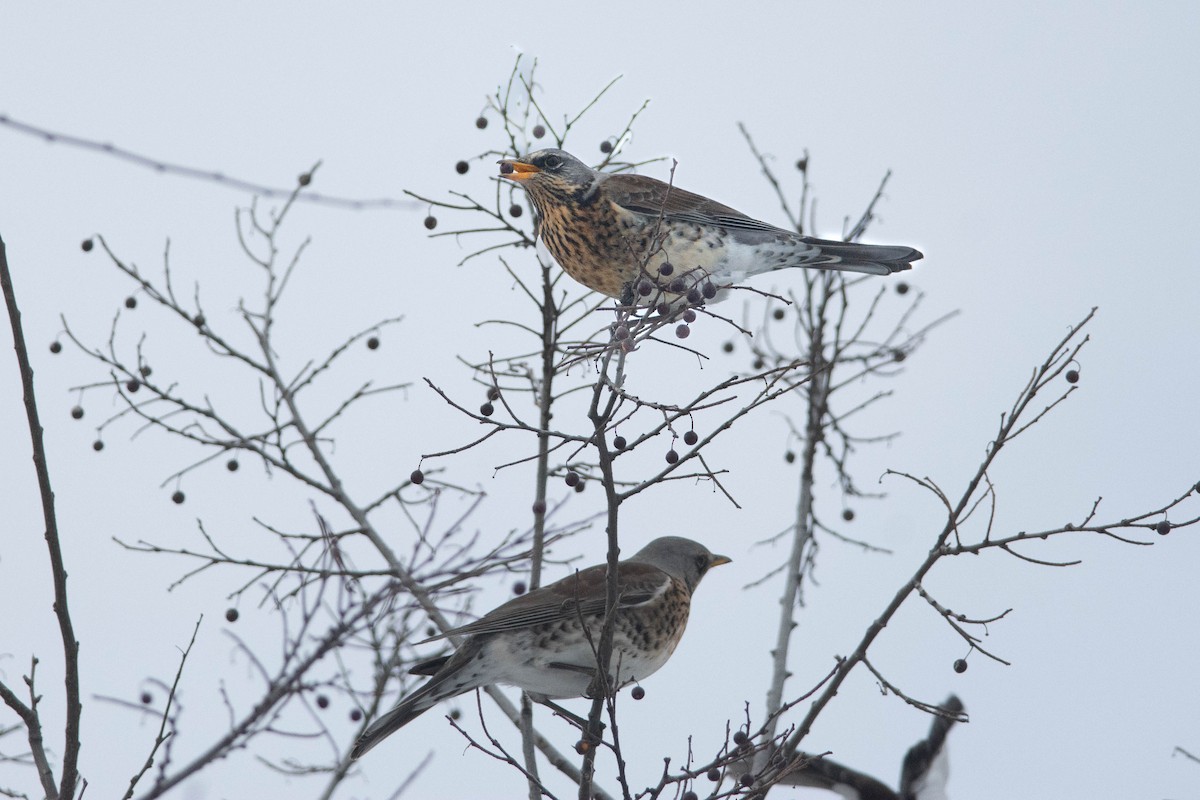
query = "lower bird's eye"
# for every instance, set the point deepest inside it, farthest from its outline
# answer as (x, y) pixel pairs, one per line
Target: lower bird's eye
(553, 162)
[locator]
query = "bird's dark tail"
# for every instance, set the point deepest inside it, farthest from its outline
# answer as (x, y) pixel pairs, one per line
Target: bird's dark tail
(405, 712)
(874, 259)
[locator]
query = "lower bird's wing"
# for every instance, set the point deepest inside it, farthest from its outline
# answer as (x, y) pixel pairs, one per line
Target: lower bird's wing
(652, 197)
(579, 595)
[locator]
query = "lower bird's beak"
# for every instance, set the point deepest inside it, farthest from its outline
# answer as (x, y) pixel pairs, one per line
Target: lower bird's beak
(517, 170)
(718, 561)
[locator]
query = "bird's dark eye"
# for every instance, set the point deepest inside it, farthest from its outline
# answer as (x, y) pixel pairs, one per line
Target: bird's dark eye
(553, 162)
(702, 564)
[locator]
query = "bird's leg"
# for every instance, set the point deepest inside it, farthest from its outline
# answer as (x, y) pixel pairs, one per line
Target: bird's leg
(574, 719)
(628, 293)
(598, 687)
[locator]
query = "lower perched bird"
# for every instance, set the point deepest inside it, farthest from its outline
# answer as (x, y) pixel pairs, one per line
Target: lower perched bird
(629, 235)
(537, 641)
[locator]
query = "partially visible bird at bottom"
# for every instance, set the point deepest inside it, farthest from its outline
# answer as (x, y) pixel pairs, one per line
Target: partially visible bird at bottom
(537, 641)
(637, 238)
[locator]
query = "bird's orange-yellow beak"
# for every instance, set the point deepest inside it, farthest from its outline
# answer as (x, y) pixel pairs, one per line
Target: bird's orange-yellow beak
(517, 170)
(719, 560)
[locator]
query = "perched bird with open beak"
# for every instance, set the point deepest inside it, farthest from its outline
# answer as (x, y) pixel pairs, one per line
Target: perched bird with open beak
(538, 641)
(636, 238)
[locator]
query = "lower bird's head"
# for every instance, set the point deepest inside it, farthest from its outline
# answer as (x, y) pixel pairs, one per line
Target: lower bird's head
(680, 558)
(552, 175)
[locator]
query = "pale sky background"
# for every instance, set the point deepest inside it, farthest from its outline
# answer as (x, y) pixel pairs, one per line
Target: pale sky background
(1044, 159)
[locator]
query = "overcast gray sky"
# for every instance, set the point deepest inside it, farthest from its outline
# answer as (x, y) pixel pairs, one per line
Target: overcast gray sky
(1044, 158)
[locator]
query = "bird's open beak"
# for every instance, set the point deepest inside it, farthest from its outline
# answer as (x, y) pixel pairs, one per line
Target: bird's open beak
(517, 170)
(718, 561)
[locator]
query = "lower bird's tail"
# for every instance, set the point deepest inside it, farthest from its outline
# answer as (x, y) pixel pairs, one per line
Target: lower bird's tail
(405, 712)
(874, 259)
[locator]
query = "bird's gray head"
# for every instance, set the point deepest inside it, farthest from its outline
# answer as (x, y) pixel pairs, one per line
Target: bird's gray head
(552, 172)
(680, 558)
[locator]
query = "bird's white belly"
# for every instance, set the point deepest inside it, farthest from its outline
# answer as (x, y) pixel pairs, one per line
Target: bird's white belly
(569, 671)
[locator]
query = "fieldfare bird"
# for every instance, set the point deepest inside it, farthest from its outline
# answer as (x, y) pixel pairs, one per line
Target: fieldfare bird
(537, 641)
(630, 235)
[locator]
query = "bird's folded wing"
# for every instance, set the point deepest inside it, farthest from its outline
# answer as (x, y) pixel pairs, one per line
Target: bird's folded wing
(652, 197)
(573, 597)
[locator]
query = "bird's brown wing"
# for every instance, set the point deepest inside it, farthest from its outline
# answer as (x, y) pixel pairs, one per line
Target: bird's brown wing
(581, 594)
(652, 197)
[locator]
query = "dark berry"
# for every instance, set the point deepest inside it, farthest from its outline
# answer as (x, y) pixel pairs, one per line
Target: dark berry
(493, 393)
(619, 443)
(901, 288)
(572, 478)
(539, 131)
(417, 477)
(539, 507)
(628, 346)
(689, 796)
(97, 445)
(666, 268)
(462, 167)
(740, 737)
(177, 498)
(582, 746)
(746, 780)
(305, 179)
(689, 316)
(710, 291)
(145, 371)
(848, 514)
(198, 320)
(899, 356)
(579, 487)
(519, 587)
(1163, 528)
(682, 331)
(645, 288)
(802, 164)
(663, 309)
(690, 437)
(56, 347)
(132, 385)
(758, 363)
(481, 123)
(77, 412)
(515, 210)
(693, 296)
(637, 693)
(677, 286)
(431, 222)
(778, 313)
(1072, 376)
(373, 343)
(727, 347)
(960, 665)
(86, 245)
(672, 456)
(355, 714)
(487, 409)
(322, 701)
(606, 146)
(456, 714)
(714, 774)
(789, 457)
(131, 302)
(146, 698)
(621, 333)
